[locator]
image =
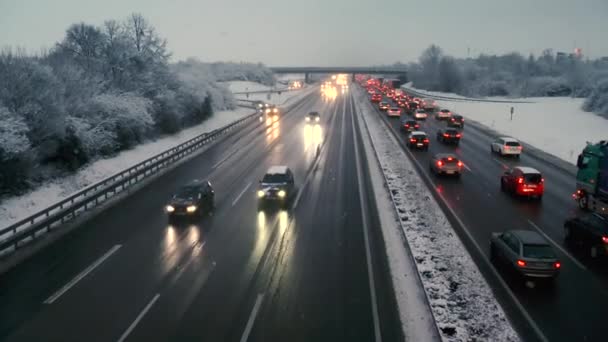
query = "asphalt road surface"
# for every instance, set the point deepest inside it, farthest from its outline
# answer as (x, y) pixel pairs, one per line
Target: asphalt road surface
(575, 308)
(302, 274)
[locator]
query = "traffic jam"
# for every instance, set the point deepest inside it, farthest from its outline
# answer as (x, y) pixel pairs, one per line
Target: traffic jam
(527, 254)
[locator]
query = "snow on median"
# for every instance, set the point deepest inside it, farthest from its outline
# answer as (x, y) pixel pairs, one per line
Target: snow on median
(462, 303)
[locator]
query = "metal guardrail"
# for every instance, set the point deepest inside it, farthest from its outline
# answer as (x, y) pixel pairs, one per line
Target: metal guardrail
(67, 209)
(463, 99)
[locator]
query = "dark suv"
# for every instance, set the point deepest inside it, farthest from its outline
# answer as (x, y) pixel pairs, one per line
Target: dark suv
(191, 200)
(589, 231)
(449, 136)
(456, 121)
(277, 187)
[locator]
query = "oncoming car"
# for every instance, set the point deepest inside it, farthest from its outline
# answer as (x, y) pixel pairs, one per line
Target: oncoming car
(313, 117)
(447, 164)
(526, 252)
(191, 200)
(272, 110)
(276, 187)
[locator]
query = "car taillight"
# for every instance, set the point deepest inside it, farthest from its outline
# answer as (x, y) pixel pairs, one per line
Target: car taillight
(521, 263)
(557, 265)
(605, 239)
(446, 135)
(439, 163)
(417, 126)
(453, 120)
(413, 140)
(520, 180)
(520, 147)
(460, 164)
(542, 180)
(450, 158)
(458, 135)
(426, 140)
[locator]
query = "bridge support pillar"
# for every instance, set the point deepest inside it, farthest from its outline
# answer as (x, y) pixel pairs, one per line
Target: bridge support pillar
(352, 78)
(307, 78)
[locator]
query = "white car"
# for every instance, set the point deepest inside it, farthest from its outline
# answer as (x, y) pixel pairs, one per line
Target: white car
(506, 146)
(420, 114)
(394, 111)
(443, 114)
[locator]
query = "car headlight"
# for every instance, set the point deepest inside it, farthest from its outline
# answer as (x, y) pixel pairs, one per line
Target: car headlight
(191, 208)
(275, 110)
(317, 119)
(267, 110)
(307, 119)
(169, 208)
(282, 193)
(261, 193)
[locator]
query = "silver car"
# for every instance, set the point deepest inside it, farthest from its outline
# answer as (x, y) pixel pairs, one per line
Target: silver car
(447, 164)
(525, 251)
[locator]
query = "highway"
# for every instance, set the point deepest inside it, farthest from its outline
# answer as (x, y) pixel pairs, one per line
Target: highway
(574, 310)
(302, 274)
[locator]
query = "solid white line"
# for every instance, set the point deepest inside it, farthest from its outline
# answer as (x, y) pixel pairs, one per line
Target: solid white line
(81, 275)
(370, 270)
(468, 168)
(254, 313)
(139, 317)
(576, 262)
(223, 160)
(241, 194)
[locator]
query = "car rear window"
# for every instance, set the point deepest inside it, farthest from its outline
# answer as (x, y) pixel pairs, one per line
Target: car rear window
(539, 252)
(512, 143)
(419, 136)
(394, 108)
(275, 178)
(448, 160)
(456, 117)
(451, 131)
(445, 111)
(533, 178)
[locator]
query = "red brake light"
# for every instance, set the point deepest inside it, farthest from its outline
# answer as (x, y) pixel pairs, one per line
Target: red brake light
(521, 263)
(426, 140)
(520, 180)
(557, 265)
(413, 140)
(446, 135)
(417, 126)
(460, 164)
(542, 180)
(458, 135)
(450, 158)
(439, 163)
(453, 119)
(605, 239)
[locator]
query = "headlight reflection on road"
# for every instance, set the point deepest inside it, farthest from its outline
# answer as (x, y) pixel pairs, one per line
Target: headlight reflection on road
(283, 221)
(261, 220)
(313, 136)
(169, 258)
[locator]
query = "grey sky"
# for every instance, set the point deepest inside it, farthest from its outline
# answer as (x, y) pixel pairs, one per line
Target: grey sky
(330, 32)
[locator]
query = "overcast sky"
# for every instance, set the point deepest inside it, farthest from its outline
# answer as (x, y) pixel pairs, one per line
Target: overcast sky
(326, 32)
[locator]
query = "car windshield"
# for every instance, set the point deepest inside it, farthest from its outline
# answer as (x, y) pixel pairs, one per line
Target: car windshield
(274, 178)
(533, 178)
(538, 252)
(186, 193)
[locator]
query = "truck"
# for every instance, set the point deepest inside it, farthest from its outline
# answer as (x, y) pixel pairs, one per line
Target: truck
(592, 178)
(392, 83)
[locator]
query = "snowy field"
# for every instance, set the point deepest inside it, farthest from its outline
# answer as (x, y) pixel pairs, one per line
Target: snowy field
(15, 208)
(463, 305)
(556, 125)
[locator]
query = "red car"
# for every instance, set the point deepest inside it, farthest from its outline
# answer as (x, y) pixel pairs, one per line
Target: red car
(376, 98)
(523, 181)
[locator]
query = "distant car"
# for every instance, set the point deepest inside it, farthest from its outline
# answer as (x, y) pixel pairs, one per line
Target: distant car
(449, 136)
(402, 104)
(383, 106)
(428, 105)
(394, 111)
(523, 181)
(191, 200)
(272, 110)
(420, 114)
(506, 146)
(412, 106)
(443, 114)
(418, 139)
(371, 91)
(376, 98)
(313, 117)
(589, 231)
(456, 121)
(526, 252)
(410, 125)
(447, 164)
(277, 186)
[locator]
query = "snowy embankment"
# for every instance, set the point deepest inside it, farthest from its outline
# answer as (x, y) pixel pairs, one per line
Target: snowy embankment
(462, 303)
(556, 125)
(17, 207)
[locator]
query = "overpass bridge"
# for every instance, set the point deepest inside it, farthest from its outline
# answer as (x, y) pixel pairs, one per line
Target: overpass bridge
(307, 70)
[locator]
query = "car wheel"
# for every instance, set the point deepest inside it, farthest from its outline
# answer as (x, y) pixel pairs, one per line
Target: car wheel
(583, 202)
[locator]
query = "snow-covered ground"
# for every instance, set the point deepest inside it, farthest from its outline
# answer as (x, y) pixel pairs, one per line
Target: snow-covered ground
(15, 208)
(556, 125)
(463, 305)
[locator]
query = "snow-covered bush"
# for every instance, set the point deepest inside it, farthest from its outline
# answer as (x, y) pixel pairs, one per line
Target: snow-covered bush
(598, 99)
(13, 134)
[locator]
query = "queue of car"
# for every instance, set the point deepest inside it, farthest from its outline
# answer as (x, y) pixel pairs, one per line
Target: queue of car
(526, 252)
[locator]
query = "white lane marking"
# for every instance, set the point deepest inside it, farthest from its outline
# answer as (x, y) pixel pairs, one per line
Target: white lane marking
(81, 275)
(223, 159)
(570, 256)
(487, 261)
(468, 168)
(252, 316)
(241, 194)
(501, 163)
(139, 317)
(362, 203)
